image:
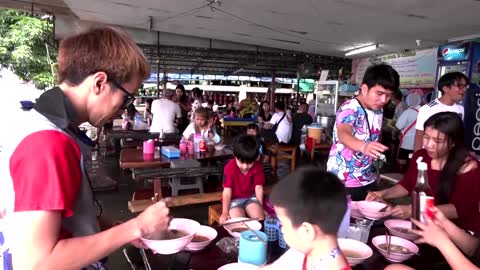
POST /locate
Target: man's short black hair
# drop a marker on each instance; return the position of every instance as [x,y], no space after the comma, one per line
[383,75]
[451,78]
[280,105]
[252,126]
[314,196]
[246,148]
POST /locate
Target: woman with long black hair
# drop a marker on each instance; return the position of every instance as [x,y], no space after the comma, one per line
[183,101]
[453,173]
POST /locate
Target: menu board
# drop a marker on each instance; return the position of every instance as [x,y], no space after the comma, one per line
[417,69]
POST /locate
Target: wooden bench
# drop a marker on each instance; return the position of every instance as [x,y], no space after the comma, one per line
[215,210]
[182,200]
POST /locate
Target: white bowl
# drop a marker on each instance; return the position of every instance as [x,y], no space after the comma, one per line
[174,245]
[391,224]
[395,257]
[253,224]
[206,231]
[354,210]
[371,209]
[238,266]
[350,245]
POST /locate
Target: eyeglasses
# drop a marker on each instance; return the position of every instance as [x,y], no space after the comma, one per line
[129,98]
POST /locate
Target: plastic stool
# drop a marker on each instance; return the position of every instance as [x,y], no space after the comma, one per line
[176,185]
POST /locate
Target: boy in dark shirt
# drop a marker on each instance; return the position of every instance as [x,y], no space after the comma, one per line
[310,205]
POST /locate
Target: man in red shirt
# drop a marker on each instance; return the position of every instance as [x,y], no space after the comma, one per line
[50,221]
[243,181]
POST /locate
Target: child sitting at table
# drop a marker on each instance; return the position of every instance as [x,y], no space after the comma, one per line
[252,129]
[243,181]
[310,205]
[202,124]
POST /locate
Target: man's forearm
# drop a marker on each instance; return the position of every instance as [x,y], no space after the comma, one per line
[79,252]
[351,142]
[418,140]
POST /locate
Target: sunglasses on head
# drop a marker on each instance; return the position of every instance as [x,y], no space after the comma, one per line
[128,98]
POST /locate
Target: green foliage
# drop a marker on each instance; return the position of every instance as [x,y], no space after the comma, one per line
[23,46]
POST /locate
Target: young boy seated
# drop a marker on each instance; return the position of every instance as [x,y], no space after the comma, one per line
[310,205]
[252,129]
[243,181]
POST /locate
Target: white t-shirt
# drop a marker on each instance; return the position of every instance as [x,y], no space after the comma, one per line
[191,130]
[404,121]
[434,107]
[164,114]
[284,130]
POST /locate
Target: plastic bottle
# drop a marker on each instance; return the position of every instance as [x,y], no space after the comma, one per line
[196,142]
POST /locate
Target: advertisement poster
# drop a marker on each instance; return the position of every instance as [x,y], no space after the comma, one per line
[417,69]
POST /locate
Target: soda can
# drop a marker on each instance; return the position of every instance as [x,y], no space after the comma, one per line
[426,205]
[203,145]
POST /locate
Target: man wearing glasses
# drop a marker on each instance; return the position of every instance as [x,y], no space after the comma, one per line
[453,86]
[50,216]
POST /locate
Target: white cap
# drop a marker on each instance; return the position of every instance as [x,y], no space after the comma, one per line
[422,166]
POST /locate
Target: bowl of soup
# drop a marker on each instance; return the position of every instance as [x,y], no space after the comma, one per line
[235,228]
[401,228]
[355,251]
[202,239]
[400,249]
[179,234]
[372,210]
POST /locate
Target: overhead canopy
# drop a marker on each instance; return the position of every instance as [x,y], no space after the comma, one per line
[327,27]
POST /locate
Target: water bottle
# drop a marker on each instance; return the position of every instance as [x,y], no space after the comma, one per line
[137,122]
[196,142]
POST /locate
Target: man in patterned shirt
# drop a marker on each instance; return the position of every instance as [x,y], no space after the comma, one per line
[357,129]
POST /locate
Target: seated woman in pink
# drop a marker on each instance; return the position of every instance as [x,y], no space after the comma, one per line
[453,173]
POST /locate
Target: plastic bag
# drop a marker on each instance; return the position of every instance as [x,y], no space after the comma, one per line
[228,245]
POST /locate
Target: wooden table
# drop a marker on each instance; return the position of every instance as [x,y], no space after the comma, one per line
[212,257]
[134,159]
[118,134]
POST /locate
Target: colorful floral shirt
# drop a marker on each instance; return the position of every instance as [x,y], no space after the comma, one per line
[350,166]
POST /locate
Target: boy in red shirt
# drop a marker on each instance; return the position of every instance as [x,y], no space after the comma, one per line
[310,205]
[243,181]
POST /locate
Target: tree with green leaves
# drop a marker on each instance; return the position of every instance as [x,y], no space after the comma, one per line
[24,48]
